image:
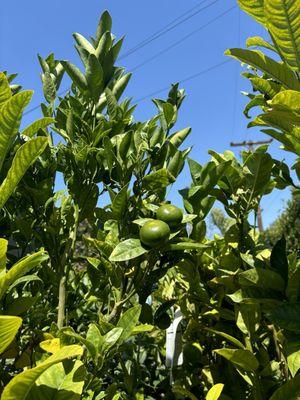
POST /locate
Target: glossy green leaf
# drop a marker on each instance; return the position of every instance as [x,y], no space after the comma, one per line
[262,278]
[104,25]
[278,259]
[257,41]
[274,69]
[76,75]
[128,321]
[127,250]
[5,92]
[289,99]
[255,8]
[240,358]
[289,391]
[19,387]
[215,392]
[9,327]
[21,268]
[94,77]
[84,43]
[49,88]
[25,156]
[228,337]
[158,180]
[119,204]
[111,338]
[3,250]
[121,85]
[265,86]
[178,138]
[62,381]
[32,129]
[283,22]
[10,119]
[292,350]
[287,316]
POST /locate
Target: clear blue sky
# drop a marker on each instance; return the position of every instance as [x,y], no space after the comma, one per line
[214,105]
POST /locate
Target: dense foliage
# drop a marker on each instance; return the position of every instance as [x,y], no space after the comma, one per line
[92,276]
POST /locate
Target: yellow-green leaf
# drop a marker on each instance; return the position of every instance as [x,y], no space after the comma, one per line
[19,387]
[215,392]
[3,250]
[274,69]
[24,158]
[21,268]
[283,22]
[255,8]
[32,129]
[9,327]
[289,99]
[10,118]
[240,358]
[5,92]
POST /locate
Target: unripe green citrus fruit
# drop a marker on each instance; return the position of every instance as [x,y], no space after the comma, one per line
[170,214]
[154,233]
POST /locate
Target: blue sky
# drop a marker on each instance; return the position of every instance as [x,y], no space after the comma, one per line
[214,105]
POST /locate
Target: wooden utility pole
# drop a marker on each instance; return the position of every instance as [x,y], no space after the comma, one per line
[250,146]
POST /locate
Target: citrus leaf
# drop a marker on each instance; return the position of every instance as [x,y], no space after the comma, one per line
[255,8]
[25,156]
[127,250]
[289,391]
[215,392]
[10,119]
[259,60]
[240,358]
[21,268]
[32,129]
[5,92]
[283,22]
[19,387]
[9,327]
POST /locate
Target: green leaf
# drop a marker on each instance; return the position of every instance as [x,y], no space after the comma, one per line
[49,88]
[274,69]
[94,336]
[158,180]
[257,101]
[104,25]
[127,250]
[10,119]
[119,204]
[265,86]
[76,75]
[240,358]
[184,392]
[287,316]
[21,268]
[255,8]
[292,350]
[278,259]
[42,123]
[289,99]
[19,387]
[94,76]
[5,92]
[215,392]
[259,42]
[3,250]
[128,321]
[283,22]
[120,85]
[25,156]
[260,166]
[9,327]
[228,337]
[178,137]
[64,381]
[111,338]
[262,278]
[84,43]
[288,391]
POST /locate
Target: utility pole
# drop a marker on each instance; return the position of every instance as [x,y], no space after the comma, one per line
[250,146]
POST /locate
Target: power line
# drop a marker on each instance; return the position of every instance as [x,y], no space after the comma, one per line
[167,28]
[182,39]
[189,78]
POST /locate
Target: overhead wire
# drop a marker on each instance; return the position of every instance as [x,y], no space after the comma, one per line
[160,53]
[167,28]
